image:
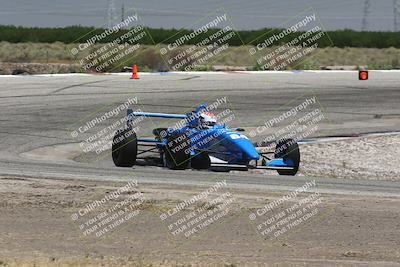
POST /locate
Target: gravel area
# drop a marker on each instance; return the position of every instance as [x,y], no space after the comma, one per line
[372,158]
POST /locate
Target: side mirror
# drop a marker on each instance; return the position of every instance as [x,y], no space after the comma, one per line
[240,130]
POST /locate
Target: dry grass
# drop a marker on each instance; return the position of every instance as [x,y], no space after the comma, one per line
[149,59]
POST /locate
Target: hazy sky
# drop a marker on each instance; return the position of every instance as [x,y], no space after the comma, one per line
[246,14]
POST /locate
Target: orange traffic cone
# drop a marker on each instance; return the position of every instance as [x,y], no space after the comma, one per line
[134,73]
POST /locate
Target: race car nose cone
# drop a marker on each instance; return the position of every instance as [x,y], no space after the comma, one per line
[248,149]
[252,155]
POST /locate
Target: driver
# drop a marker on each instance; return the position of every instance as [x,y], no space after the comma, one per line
[207,120]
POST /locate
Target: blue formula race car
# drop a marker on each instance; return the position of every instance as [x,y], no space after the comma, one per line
[198,142]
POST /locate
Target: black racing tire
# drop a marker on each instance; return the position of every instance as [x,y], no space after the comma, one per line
[177,152]
[288,149]
[124,148]
[201,161]
[160,132]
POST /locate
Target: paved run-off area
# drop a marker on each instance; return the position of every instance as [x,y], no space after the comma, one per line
[47,177]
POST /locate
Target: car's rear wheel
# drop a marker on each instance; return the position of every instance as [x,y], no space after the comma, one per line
[160,132]
[288,149]
[201,161]
[177,152]
[124,148]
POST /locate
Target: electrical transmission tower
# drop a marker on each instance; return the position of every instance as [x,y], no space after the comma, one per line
[123,12]
[367,10]
[111,14]
[396,11]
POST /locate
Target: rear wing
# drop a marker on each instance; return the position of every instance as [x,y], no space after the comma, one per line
[191,117]
[131,113]
[151,142]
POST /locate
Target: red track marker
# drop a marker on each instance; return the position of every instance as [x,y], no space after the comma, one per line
[363,75]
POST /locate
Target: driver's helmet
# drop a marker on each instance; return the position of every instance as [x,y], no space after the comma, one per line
[207,119]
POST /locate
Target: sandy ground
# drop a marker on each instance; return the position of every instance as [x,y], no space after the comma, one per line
[372,158]
[36,229]
[362,158]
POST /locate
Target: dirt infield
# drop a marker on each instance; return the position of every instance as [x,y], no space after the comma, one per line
[37,230]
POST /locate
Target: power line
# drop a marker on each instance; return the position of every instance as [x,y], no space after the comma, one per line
[111,14]
[396,11]
[367,11]
[123,12]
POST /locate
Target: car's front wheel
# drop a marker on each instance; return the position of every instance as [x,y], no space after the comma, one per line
[288,149]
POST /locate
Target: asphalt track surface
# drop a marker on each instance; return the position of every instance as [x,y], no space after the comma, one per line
[41,111]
